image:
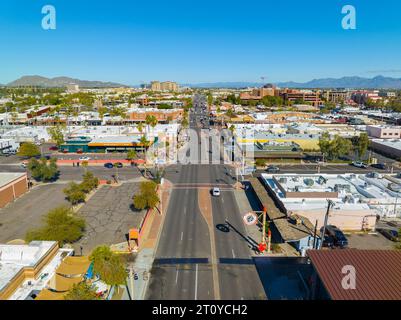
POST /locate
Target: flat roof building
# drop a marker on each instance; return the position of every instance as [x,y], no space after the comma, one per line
[12,186]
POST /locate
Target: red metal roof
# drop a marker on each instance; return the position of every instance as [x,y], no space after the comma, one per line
[378,273]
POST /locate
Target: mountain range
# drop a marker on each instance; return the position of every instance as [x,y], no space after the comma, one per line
[39,81]
[378,82]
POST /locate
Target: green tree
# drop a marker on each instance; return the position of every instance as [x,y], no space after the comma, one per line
[89,182]
[74,193]
[131,154]
[82,291]
[61,225]
[56,134]
[43,170]
[109,266]
[28,150]
[361,144]
[147,198]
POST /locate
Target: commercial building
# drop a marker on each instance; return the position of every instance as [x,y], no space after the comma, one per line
[336,96]
[387,147]
[25,269]
[291,95]
[357,199]
[103,144]
[162,115]
[12,186]
[355,274]
[384,132]
[163,86]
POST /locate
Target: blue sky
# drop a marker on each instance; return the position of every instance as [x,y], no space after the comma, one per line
[130,41]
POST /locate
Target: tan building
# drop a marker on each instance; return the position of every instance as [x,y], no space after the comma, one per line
[163,86]
[12,186]
[301,96]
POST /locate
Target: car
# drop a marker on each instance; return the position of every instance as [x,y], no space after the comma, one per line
[340,240]
[359,164]
[216,192]
[273,169]
[390,234]
[53,148]
[84,158]
[108,165]
[23,165]
[118,165]
[136,276]
[328,241]
[381,166]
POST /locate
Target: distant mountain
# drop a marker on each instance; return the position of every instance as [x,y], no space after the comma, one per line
[378,82]
[228,85]
[39,81]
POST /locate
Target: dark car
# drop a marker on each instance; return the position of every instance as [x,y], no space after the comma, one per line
[328,241]
[273,169]
[390,234]
[118,165]
[108,165]
[340,239]
[380,166]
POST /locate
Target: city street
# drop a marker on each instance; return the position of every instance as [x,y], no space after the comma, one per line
[192,252]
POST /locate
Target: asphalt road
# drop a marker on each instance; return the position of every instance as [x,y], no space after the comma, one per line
[183,266]
[69,173]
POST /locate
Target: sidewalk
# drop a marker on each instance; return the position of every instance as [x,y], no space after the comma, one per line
[147,249]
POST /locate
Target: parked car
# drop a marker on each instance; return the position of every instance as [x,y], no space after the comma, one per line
[273,169]
[359,164]
[216,192]
[23,165]
[84,158]
[108,165]
[53,148]
[390,234]
[380,166]
[340,240]
[328,241]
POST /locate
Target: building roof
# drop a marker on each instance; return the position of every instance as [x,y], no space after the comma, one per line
[46,294]
[377,273]
[265,199]
[71,266]
[290,231]
[8,177]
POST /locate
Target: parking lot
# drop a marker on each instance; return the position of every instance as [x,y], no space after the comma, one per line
[109,216]
[27,211]
[369,241]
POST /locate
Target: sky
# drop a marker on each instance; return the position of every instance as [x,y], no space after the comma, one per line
[135,41]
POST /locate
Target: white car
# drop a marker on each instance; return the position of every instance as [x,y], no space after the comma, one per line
[216,192]
[23,165]
[359,164]
[84,158]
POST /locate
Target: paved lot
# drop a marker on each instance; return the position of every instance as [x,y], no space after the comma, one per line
[369,241]
[109,216]
[27,211]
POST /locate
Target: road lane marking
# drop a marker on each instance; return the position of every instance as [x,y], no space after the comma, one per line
[232,250]
[185,210]
[196,283]
[176,277]
[182,234]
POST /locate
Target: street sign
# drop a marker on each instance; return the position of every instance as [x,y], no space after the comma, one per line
[250,218]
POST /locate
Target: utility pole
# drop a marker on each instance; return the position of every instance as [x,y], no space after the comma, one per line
[329,205]
[131,278]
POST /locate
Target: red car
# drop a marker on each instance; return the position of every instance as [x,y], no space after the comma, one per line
[54,148]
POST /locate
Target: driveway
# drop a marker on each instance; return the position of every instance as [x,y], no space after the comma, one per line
[109,216]
[369,241]
[27,211]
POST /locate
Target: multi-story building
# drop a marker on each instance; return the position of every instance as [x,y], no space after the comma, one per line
[301,96]
[163,86]
[336,96]
[384,132]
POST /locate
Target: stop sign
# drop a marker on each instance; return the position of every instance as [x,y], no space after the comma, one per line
[262,247]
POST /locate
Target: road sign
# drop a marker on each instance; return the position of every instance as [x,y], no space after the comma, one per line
[250,218]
